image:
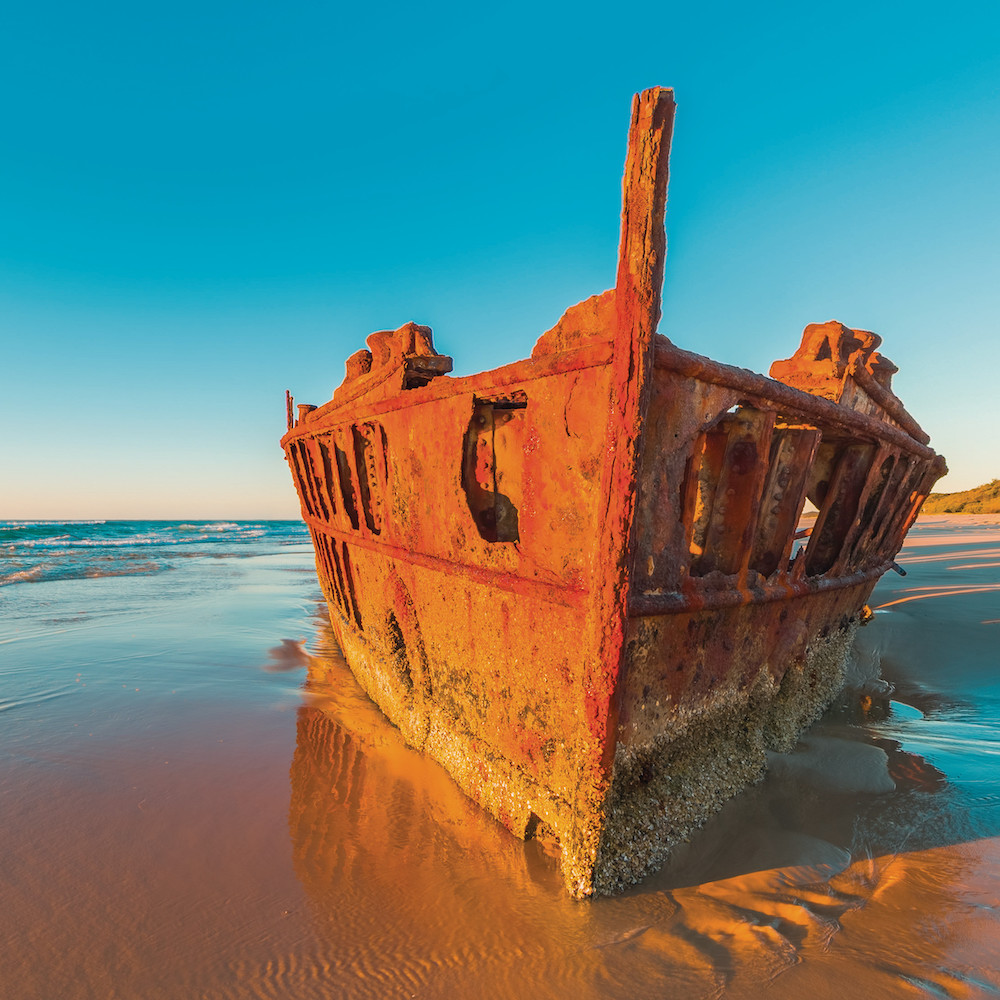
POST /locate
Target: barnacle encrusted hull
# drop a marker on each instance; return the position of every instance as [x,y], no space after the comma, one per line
[579,581]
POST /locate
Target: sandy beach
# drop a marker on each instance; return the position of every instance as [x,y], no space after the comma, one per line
[198,801]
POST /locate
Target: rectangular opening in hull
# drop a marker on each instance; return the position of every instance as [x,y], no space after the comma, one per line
[492,466]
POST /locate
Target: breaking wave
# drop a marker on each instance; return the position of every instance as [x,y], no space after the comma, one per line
[214,526]
[22,575]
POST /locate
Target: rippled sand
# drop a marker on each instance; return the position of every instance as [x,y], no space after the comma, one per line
[197,801]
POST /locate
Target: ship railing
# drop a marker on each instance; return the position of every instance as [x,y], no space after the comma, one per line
[764,452]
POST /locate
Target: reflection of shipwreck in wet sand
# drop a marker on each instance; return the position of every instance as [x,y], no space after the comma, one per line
[577,581]
[366,823]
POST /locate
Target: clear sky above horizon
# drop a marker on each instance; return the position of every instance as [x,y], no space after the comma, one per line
[203,204]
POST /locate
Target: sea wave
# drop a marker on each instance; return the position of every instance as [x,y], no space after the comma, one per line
[37,551]
[47,572]
[136,569]
[64,542]
[212,526]
[22,575]
[15,525]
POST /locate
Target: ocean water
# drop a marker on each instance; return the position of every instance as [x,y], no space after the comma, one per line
[197,801]
[34,551]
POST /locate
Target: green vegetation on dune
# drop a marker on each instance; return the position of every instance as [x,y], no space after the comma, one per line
[983,499]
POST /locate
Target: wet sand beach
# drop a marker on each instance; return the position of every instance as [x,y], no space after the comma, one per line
[196,800]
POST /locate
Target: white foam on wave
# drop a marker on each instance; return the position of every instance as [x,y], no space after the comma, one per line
[125,569]
[14,525]
[34,543]
[118,543]
[22,575]
[46,572]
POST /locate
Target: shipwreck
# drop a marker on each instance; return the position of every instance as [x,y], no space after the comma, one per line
[582,582]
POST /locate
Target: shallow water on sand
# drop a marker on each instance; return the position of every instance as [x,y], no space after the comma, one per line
[184,814]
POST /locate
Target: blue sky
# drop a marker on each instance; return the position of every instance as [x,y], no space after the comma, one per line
[202,204]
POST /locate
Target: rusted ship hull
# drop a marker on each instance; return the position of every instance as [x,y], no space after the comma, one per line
[578,581]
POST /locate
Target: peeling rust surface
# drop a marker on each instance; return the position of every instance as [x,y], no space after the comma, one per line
[582,582]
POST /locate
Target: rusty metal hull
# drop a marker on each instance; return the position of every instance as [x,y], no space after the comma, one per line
[578,581]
